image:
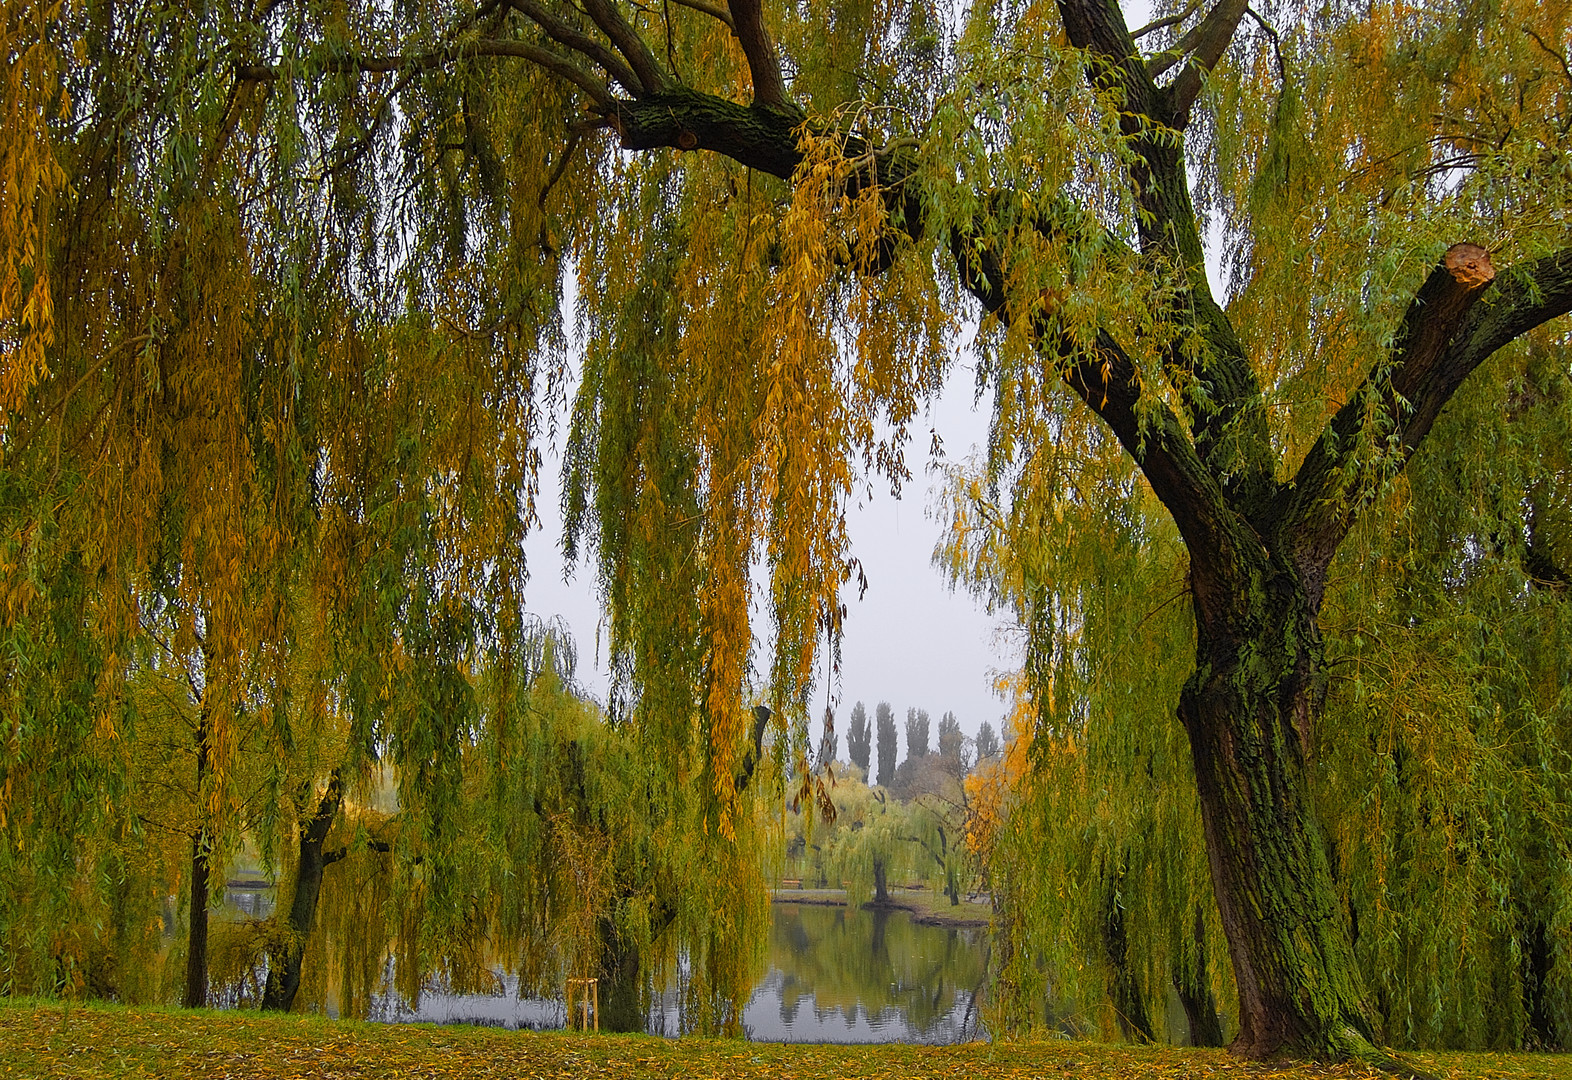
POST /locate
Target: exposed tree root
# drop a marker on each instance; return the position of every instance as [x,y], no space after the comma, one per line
[1355,1047]
[1344,1044]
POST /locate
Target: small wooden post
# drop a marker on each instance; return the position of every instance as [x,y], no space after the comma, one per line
[589,1001]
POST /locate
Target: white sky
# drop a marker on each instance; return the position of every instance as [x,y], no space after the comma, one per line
[910,640]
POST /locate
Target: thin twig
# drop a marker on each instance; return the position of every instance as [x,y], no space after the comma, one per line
[1158,24]
[1531,32]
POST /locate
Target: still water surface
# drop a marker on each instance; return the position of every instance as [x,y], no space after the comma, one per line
[833,975]
[842,975]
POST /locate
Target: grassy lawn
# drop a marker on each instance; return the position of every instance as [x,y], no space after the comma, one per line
[46,1040]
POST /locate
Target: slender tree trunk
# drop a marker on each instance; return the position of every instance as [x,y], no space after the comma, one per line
[1124,985]
[621,969]
[284,959]
[1195,993]
[1249,709]
[196,942]
[881,892]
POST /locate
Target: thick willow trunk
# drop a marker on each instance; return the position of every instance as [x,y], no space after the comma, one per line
[1249,709]
[621,986]
[284,958]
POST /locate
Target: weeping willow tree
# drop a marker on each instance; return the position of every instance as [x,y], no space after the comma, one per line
[204,206]
[1440,768]
[273,415]
[1448,781]
[572,856]
[1092,827]
[218,440]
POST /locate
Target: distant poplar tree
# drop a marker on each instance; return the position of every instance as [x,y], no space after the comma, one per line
[884,723]
[952,744]
[916,733]
[859,739]
[987,742]
[829,743]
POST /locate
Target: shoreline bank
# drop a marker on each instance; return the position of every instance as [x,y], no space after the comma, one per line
[924,908]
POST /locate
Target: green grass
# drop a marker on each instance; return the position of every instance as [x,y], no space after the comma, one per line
[48,1040]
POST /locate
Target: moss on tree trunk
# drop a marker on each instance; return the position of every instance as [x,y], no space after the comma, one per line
[1249,709]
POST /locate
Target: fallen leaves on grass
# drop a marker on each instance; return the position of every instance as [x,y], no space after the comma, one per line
[48,1041]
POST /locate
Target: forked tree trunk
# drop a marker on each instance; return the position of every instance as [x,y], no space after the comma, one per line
[284,958]
[1249,709]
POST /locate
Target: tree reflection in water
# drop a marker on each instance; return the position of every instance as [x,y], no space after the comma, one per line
[834,975]
[843,975]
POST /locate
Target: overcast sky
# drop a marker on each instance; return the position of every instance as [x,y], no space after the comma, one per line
[909,641]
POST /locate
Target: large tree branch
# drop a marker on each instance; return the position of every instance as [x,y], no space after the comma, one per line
[1524,297]
[1100,372]
[765,137]
[764,65]
[1206,45]
[628,43]
[1195,39]
[1105,378]
[1207,360]
[714,11]
[565,33]
[1454,323]
[759,136]
[1098,27]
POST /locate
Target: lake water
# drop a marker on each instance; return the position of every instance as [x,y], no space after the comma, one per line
[844,975]
[834,974]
